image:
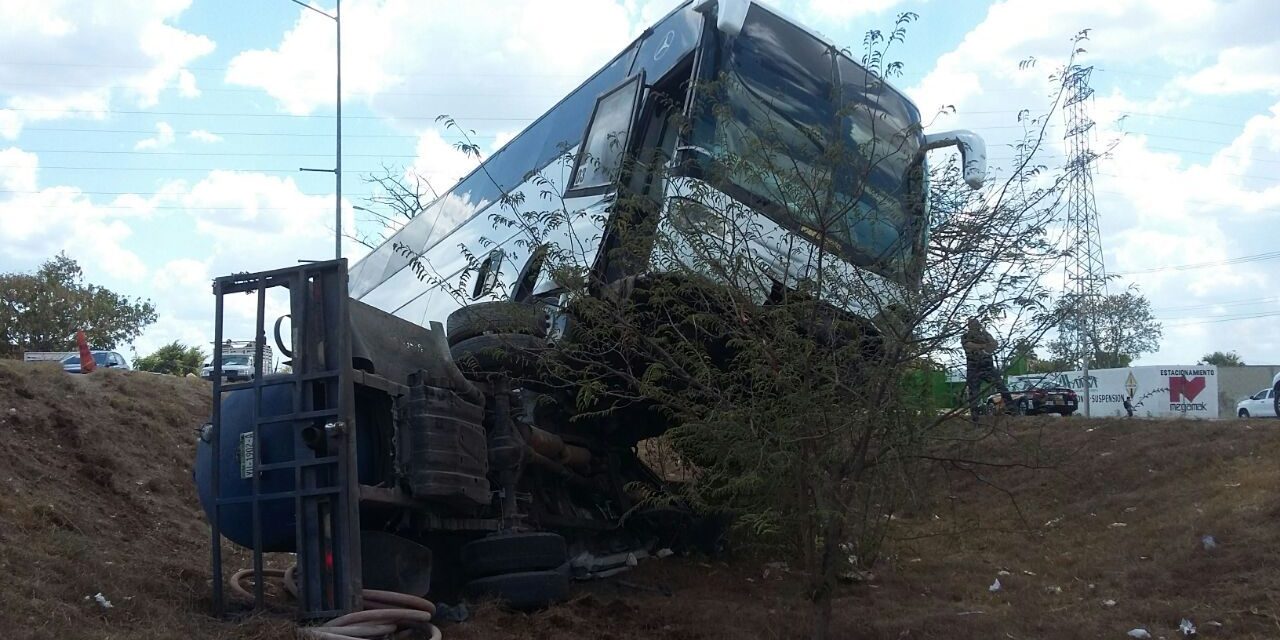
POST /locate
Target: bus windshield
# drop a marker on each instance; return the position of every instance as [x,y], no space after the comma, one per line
[811,139]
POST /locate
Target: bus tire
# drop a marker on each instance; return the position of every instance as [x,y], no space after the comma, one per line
[525,590]
[515,354]
[495,317]
[514,553]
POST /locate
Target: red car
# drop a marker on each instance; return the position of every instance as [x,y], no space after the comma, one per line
[1033,397]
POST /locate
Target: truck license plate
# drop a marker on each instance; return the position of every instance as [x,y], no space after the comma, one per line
[246,455]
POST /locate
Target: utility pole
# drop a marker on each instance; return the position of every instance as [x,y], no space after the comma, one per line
[337,166]
[1086,277]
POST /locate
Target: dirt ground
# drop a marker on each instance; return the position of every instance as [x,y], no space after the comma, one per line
[1109,536]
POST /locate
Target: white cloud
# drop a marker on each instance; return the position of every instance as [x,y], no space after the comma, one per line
[187,84]
[86,53]
[848,9]
[162,139]
[19,170]
[396,55]
[442,164]
[40,222]
[1237,70]
[201,135]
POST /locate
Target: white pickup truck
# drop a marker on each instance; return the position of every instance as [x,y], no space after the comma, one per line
[237,363]
[1275,386]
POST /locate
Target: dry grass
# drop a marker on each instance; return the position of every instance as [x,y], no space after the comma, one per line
[1053,530]
[97,497]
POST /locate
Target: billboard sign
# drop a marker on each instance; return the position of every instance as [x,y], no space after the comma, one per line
[1153,391]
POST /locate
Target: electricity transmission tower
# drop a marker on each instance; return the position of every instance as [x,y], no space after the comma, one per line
[1086,278]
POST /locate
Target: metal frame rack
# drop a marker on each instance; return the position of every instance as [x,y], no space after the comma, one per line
[325,490]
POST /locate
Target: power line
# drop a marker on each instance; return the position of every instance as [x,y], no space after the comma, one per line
[1221,173]
[1213,305]
[415,94]
[1256,316]
[326,206]
[178,169]
[1258,257]
[269,134]
[89,65]
[206,114]
[131,193]
[255,154]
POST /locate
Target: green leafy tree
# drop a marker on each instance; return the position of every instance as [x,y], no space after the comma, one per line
[1123,329]
[42,311]
[174,359]
[1223,359]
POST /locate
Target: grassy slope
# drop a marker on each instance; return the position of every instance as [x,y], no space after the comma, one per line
[97,496]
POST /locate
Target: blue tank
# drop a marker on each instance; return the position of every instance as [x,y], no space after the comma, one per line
[277,516]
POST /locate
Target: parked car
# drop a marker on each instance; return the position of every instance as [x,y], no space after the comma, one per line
[104,359]
[1275,395]
[1259,405]
[234,367]
[1033,397]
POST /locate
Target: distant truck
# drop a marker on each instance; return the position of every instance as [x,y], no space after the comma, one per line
[1275,396]
[46,356]
[237,361]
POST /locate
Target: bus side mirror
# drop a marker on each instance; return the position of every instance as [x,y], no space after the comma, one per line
[973,153]
[730,14]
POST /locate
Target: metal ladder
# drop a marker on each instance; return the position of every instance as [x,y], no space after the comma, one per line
[325,494]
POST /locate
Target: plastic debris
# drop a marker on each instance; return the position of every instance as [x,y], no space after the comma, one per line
[101,600]
[1108,603]
[995,586]
[1002,572]
[451,613]
[1186,628]
[1209,543]
[664,553]
[1117,525]
[1028,573]
[1054,590]
[1139,633]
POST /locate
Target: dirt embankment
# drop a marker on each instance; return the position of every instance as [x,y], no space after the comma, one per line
[97,498]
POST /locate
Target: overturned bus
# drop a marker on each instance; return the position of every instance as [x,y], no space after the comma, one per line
[381,464]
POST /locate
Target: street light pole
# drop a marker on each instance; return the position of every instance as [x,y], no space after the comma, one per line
[337,171]
[337,166]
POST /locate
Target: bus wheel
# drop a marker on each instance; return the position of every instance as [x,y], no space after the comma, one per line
[496,317]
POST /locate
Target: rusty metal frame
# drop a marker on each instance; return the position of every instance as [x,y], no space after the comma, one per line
[326,492]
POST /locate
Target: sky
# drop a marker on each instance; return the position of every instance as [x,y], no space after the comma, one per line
[158,142]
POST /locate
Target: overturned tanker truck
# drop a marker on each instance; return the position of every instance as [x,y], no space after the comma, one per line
[382,465]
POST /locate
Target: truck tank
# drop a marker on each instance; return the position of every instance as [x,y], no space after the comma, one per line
[277,516]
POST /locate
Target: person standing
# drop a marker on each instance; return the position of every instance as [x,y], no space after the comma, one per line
[980,366]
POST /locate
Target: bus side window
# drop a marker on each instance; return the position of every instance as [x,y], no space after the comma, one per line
[528,277]
[600,155]
[487,275]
